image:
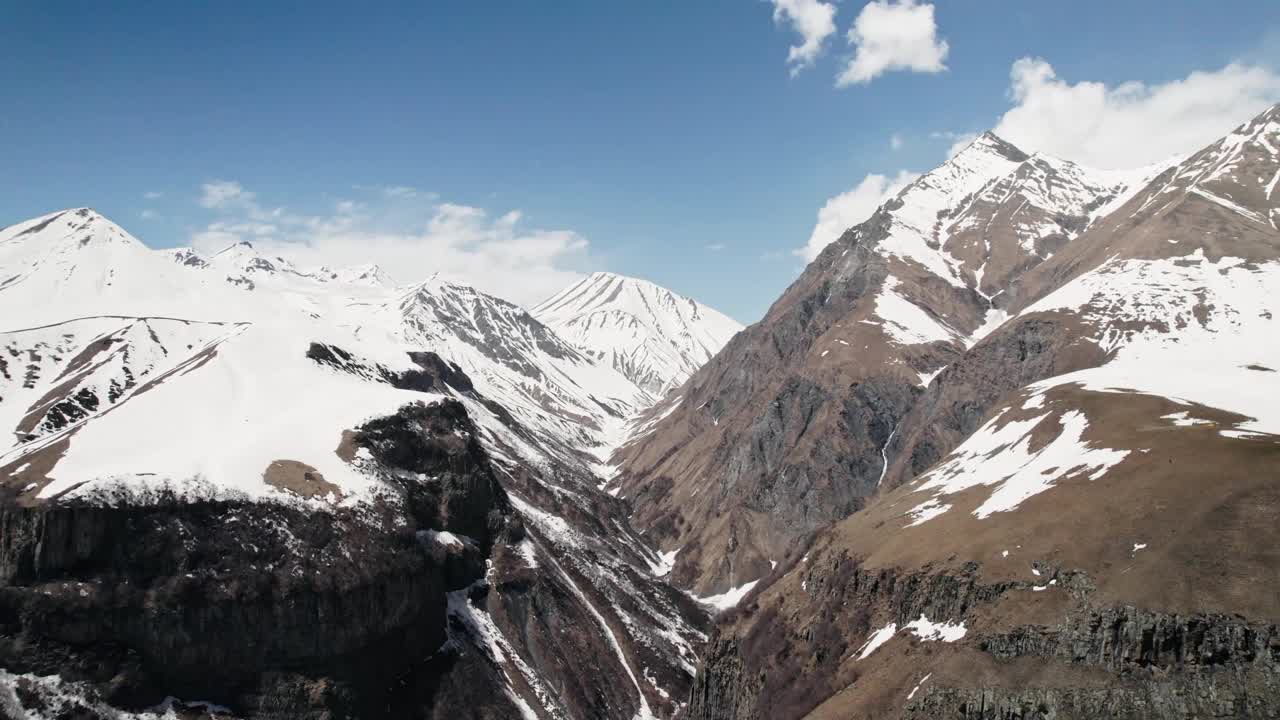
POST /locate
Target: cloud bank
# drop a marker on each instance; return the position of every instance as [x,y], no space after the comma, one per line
[1131,124]
[408,233]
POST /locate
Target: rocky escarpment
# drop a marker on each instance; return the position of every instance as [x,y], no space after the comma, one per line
[1161,665]
[270,609]
[1094,660]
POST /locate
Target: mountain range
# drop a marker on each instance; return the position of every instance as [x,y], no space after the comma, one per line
[1008,448]
[296,447]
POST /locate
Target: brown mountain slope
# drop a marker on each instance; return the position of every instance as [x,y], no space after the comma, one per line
[1149,592]
[784,431]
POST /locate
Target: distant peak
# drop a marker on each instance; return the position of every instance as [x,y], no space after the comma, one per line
[606,275]
[990,143]
[601,275]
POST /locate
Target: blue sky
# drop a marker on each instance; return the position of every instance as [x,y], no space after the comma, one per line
[667,140]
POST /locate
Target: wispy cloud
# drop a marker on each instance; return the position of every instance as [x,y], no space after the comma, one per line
[148,214]
[398,191]
[152,195]
[225,194]
[895,141]
[716,247]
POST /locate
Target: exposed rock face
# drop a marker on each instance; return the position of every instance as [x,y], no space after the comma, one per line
[778,451]
[1147,664]
[439,598]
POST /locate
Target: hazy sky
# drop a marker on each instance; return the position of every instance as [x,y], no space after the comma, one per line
[702,145]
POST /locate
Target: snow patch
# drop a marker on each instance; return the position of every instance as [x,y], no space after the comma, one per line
[876,639]
[905,322]
[729,598]
[946,631]
[1001,456]
[917,687]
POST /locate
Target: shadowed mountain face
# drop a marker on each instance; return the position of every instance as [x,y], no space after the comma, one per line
[1077,513]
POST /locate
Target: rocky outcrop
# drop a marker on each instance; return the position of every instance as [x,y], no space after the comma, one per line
[1127,662]
[1159,666]
[725,689]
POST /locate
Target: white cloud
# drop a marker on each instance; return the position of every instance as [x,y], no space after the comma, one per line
[1131,124]
[852,207]
[411,236]
[814,20]
[716,247]
[893,36]
[152,195]
[895,141]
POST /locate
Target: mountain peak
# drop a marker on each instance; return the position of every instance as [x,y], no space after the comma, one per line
[988,143]
[652,335]
[81,227]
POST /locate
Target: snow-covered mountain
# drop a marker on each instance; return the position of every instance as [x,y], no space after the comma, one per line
[651,335]
[239,389]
